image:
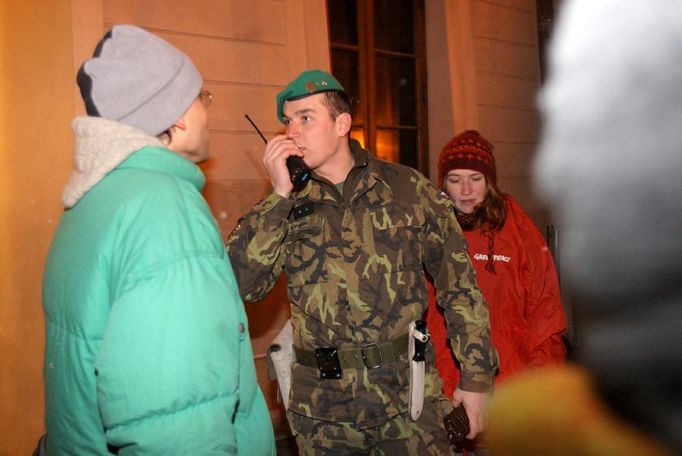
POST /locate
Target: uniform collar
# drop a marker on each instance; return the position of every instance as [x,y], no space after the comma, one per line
[366,172]
[363,176]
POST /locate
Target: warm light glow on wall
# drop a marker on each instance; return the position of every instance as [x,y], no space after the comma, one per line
[387,145]
[4,93]
[359,135]
[37,93]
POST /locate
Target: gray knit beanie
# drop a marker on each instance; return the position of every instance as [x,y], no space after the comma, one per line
[138,79]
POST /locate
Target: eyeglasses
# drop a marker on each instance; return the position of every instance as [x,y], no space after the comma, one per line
[205,97]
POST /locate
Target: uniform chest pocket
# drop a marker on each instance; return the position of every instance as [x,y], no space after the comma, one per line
[305,246]
[397,236]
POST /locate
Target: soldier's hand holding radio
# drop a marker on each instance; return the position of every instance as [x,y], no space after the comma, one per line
[474,404]
[278,150]
[298,170]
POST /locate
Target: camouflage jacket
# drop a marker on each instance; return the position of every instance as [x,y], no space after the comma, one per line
[355,271]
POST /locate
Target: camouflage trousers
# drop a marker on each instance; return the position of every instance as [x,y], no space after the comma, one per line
[398,436]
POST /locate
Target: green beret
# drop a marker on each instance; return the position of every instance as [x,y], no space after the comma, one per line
[307,83]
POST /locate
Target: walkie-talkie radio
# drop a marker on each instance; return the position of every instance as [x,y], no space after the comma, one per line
[457,425]
[299,172]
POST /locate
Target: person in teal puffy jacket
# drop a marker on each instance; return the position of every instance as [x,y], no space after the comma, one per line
[147,346]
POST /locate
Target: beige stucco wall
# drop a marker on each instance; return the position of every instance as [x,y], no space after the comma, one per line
[482,74]
[36,105]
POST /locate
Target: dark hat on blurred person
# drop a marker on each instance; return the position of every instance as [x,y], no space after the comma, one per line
[139,79]
[307,83]
[467,150]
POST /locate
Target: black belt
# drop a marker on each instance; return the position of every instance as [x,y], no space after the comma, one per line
[331,361]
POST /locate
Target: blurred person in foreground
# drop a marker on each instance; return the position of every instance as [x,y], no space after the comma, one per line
[147,349]
[610,166]
[354,243]
[514,267]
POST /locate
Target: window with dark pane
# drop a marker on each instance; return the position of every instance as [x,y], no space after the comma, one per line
[378,54]
[395,93]
[345,27]
[393,30]
[344,68]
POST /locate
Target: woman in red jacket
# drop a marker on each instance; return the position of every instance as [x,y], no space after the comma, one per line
[514,267]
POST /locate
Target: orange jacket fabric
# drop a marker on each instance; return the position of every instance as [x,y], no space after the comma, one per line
[527,317]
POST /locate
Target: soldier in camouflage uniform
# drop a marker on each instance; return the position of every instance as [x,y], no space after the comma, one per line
[353,244]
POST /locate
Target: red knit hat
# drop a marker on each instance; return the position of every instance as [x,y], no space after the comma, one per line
[467,150]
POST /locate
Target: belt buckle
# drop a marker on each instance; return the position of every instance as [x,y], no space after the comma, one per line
[328,363]
[366,349]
